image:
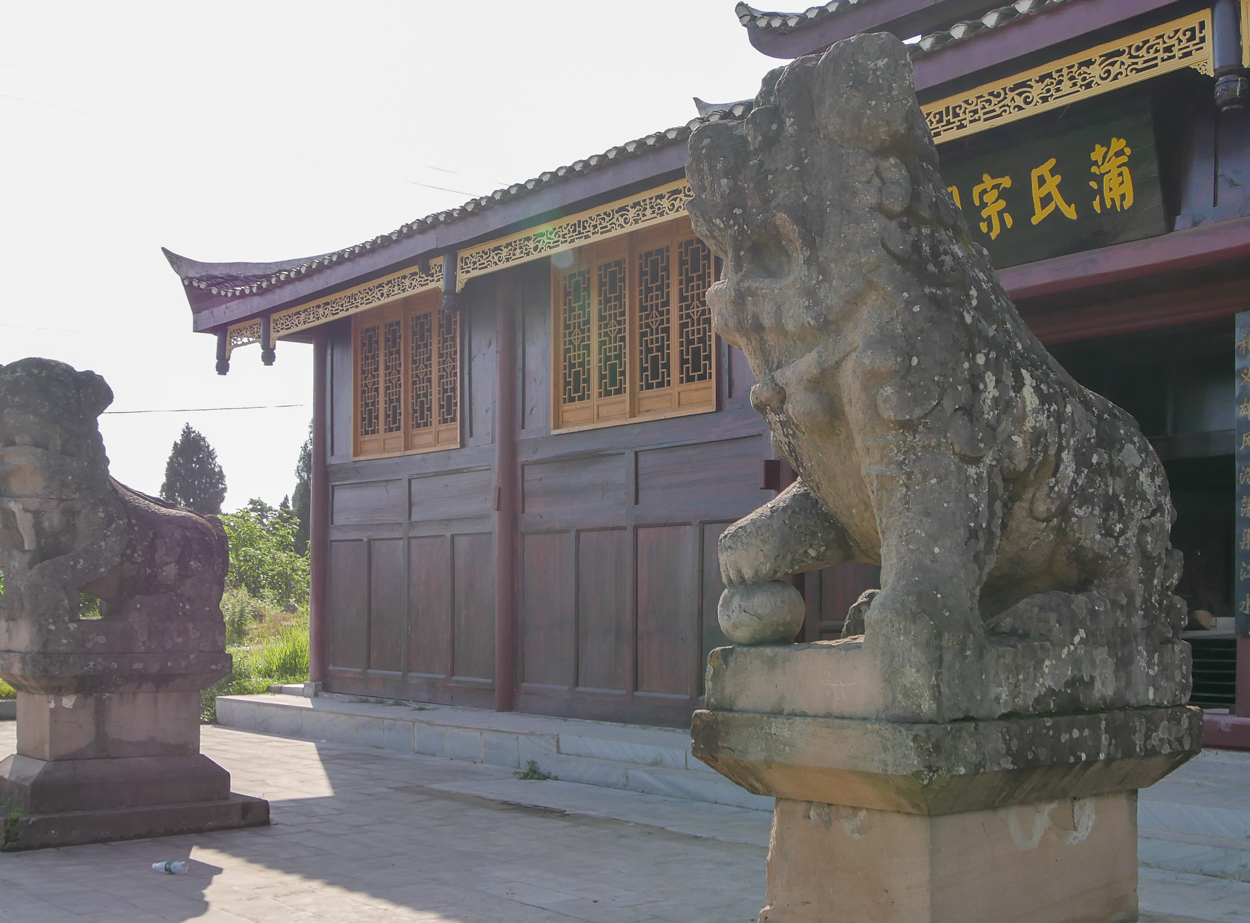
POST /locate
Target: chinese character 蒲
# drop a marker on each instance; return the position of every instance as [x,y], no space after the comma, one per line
[1046,187]
[987,194]
[1117,182]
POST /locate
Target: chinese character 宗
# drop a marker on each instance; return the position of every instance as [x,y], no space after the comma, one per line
[1111,163]
[1046,189]
[987,193]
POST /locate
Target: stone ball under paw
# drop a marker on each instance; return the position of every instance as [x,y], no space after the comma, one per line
[761,613]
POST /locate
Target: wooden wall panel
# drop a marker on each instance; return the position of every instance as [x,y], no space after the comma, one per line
[712,587]
[592,483]
[667,613]
[348,631]
[429,605]
[388,618]
[546,632]
[340,389]
[725,473]
[473,605]
[535,343]
[740,377]
[479,378]
[603,625]
[375,501]
[451,495]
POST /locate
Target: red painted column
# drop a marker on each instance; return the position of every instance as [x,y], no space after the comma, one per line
[505,491]
[319,527]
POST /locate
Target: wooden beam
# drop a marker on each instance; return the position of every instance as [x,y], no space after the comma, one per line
[1195,248]
[319,527]
[505,516]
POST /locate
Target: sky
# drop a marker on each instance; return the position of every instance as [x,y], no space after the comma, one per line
[273,129]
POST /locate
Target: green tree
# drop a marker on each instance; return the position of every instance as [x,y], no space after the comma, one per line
[263,559]
[192,476]
[301,500]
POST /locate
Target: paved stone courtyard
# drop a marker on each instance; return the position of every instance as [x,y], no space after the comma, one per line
[364,835]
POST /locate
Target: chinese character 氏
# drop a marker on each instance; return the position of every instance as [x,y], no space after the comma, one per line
[1117,182]
[987,194]
[1046,186]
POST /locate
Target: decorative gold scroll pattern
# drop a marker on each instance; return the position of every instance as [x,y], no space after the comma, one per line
[1184,42]
[243,334]
[655,205]
[360,298]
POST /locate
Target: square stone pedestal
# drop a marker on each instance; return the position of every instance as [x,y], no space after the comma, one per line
[94,768]
[1025,820]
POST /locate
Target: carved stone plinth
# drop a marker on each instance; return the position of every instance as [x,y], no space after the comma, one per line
[1027,819]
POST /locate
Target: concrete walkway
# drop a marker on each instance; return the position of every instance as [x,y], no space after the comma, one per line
[363,834]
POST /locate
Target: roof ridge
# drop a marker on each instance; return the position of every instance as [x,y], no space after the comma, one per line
[781,23]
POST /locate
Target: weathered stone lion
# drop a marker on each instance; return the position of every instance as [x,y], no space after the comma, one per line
[1020,521]
[67,527]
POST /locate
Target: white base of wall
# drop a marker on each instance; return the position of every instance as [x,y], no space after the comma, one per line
[655,761]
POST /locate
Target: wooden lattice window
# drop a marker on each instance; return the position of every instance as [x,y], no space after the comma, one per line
[407,388]
[631,329]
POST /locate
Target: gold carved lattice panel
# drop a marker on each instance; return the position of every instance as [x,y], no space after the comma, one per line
[421,358]
[654,325]
[612,316]
[652,207]
[360,298]
[448,367]
[694,319]
[393,366]
[1181,43]
[243,334]
[575,336]
[370,357]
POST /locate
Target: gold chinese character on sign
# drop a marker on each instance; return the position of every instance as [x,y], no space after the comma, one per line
[1046,189]
[1117,182]
[1243,341]
[1244,545]
[1244,608]
[1244,510]
[1245,442]
[1243,409]
[987,194]
[954,191]
[1243,376]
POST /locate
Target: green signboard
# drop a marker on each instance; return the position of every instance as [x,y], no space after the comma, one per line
[1074,184]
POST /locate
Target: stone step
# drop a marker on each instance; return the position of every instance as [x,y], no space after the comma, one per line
[653,761]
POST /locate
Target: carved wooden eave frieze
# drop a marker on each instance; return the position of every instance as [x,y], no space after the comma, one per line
[1182,43]
[651,207]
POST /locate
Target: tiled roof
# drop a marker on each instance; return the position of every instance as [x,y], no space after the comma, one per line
[994,19]
[232,280]
[782,23]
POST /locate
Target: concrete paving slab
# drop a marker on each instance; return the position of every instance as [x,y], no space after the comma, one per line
[364,834]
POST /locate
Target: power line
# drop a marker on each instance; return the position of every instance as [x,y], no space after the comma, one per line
[212,409]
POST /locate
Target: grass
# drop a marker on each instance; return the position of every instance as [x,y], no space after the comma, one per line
[269,645]
[531,773]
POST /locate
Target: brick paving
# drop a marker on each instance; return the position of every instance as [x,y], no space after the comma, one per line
[364,835]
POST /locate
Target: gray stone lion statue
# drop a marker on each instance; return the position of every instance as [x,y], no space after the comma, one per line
[1021,522]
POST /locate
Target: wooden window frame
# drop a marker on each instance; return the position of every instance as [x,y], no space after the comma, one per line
[408,440]
[636,405]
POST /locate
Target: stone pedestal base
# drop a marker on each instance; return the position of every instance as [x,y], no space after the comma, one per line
[1069,861]
[74,828]
[115,766]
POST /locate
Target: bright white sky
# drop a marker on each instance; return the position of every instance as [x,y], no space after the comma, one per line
[267,130]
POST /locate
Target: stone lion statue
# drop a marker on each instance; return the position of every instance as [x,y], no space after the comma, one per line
[67,527]
[1021,522]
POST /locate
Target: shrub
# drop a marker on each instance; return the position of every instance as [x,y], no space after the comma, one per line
[263,559]
[7,691]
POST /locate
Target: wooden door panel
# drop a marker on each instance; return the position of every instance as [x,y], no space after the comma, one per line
[724,474]
[388,618]
[349,599]
[603,628]
[429,605]
[547,636]
[667,614]
[473,605]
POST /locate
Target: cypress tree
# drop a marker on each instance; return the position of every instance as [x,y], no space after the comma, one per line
[192,476]
[301,499]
